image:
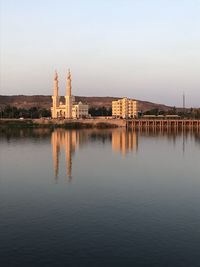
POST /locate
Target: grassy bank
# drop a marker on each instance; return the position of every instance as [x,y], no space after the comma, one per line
[67,125]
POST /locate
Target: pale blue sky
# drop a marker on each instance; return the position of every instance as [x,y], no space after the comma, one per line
[144,49]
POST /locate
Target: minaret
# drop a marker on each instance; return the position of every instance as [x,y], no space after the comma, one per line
[68,97]
[55,96]
[69,86]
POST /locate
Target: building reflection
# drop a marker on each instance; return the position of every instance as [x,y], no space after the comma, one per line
[124,141]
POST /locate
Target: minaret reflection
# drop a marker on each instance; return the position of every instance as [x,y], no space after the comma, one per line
[124,141]
[68,140]
[56,152]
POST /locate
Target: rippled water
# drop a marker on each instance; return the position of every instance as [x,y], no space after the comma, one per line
[99,198]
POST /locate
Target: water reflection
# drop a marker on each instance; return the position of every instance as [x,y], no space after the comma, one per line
[69,141]
[122,141]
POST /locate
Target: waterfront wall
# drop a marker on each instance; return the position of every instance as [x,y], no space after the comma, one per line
[68,123]
[93,121]
[101,123]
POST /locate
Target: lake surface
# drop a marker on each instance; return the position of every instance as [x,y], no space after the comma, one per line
[99,198]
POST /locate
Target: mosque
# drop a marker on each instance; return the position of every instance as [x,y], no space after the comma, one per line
[71,109]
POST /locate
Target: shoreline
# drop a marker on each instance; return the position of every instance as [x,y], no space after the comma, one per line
[99,123]
[58,123]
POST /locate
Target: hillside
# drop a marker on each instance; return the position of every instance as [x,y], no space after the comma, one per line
[24,101]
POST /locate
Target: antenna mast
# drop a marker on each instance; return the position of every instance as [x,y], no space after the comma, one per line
[184,102]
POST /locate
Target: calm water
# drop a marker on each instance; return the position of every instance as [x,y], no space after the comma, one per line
[99,198]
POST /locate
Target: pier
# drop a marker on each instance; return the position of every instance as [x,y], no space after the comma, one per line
[163,124]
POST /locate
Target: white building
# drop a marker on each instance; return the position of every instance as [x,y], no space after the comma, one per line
[79,110]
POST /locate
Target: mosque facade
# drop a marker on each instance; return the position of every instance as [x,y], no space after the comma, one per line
[70,109]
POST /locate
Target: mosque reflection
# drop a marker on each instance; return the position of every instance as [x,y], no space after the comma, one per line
[67,140]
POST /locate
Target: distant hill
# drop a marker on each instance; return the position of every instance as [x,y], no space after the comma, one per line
[43,101]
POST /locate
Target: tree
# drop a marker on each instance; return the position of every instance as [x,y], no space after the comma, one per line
[101,111]
[33,112]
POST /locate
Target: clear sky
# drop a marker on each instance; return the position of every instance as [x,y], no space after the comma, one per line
[144,49]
